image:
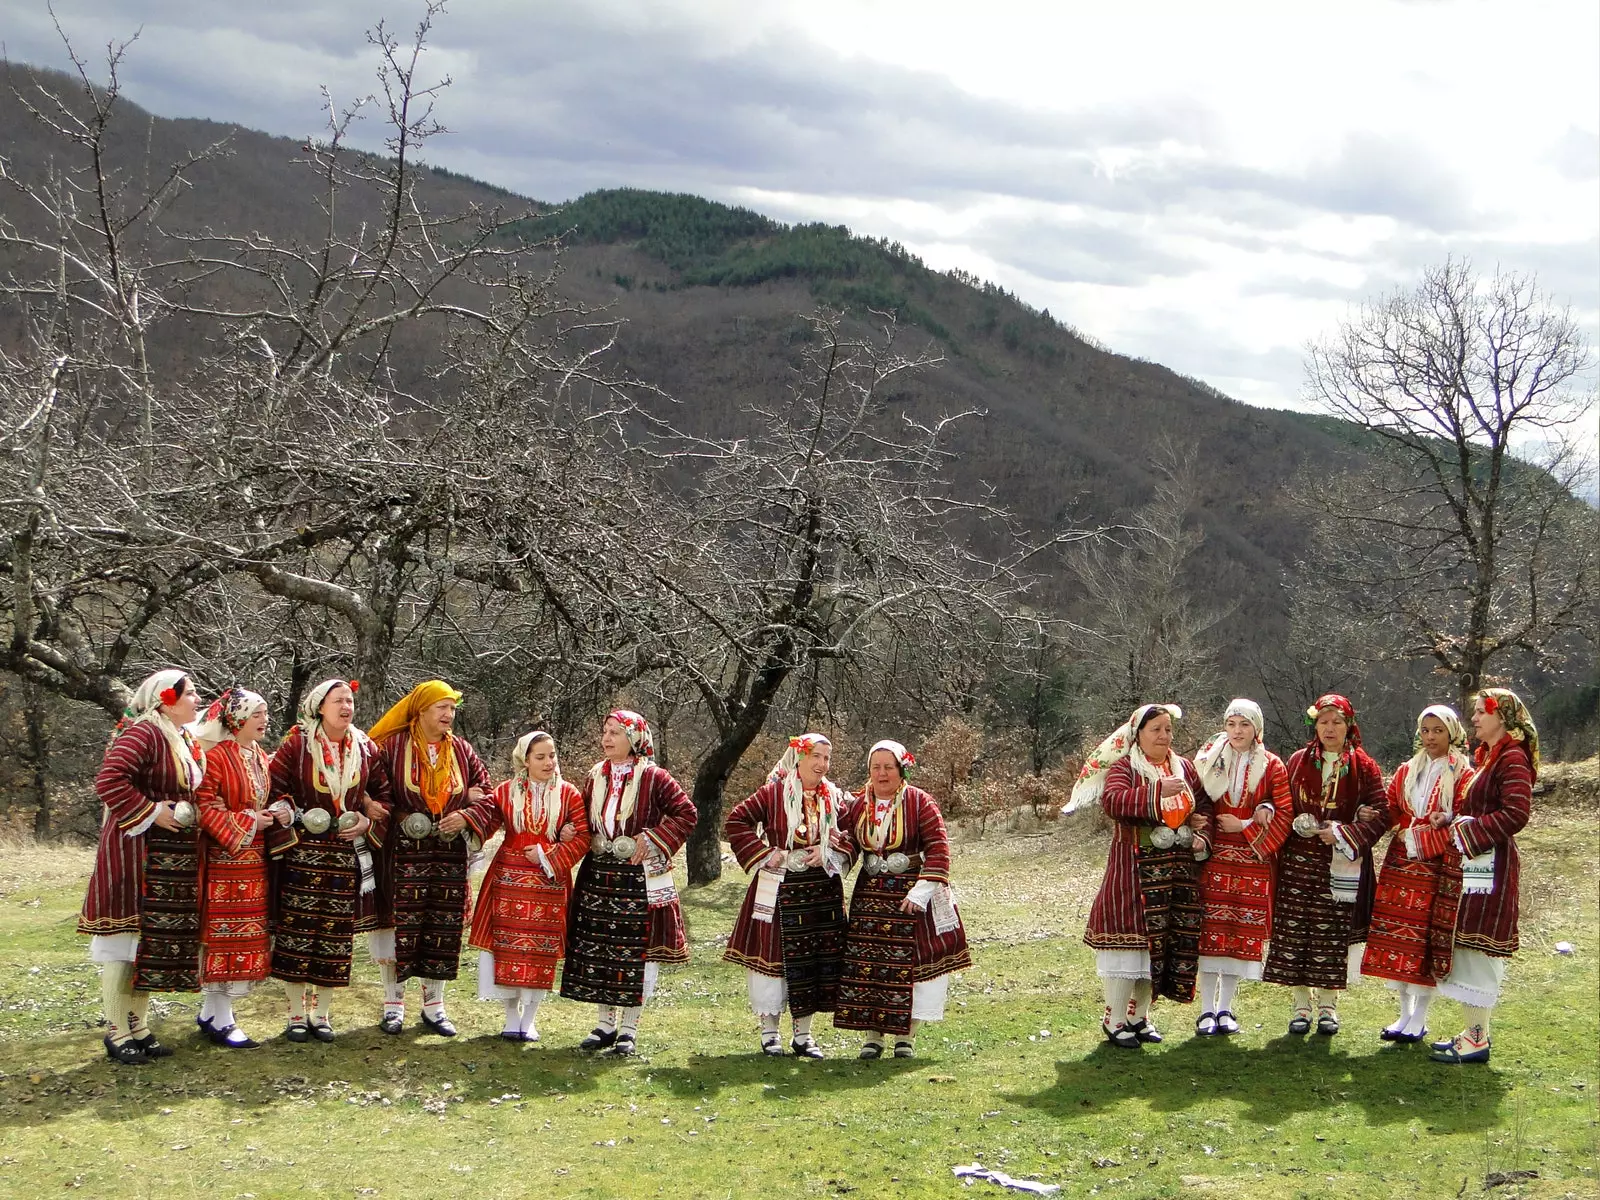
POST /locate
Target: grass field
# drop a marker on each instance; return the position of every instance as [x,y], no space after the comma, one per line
[1017,1077]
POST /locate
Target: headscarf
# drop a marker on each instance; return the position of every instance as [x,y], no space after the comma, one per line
[1508,706]
[1218,762]
[1123,743]
[533,803]
[624,779]
[1423,772]
[638,731]
[406,711]
[337,773]
[1320,776]
[441,777]
[787,773]
[879,825]
[227,715]
[164,687]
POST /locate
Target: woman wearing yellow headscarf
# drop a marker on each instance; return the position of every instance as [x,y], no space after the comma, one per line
[421,899]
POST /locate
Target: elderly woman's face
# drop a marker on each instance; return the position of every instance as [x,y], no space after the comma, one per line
[187,707]
[814,765]
[1435,736]
[884,770]
[437,719]
[1155,737]
[614,743]
[338,709]
[1332,729]
[1489,726]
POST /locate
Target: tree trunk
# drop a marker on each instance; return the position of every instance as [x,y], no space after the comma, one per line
[33,716]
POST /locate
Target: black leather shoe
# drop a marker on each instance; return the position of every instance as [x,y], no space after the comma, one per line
[1144,1031]
[442,1026]
[128,1054]
[151,1047]
[772,1045]
[1327,1023]
[807,1047]
[392,1023]
[323,1033]
[297,1032]
[871,1050]
[231,1037]
[905,1049]
[1120,1035]
[598,1039]
[624,1045]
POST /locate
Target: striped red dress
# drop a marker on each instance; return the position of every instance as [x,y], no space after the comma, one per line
[234,944]
[1236,881]
[1499,801]
[138,773]
[521,914]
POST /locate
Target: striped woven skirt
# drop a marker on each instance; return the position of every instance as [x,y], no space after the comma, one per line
[1311,931]
[234,943]
[522,921]
[1170,886]
[430,906]
[880,958]
[319,882]
[169,913]
[811,927]
[608,931]
[1413,931]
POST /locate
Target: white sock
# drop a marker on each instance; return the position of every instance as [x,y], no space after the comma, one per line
[394,991]
[532,998]
[1404,993]
[802,1027]
[208,1004]
[1119,995]
[629,1025]
[1143,993]
[606,1018]
[433,998]
[1303,999]
[1477,1030]
[222,1010]
[1227,989]
[769,1026]
[117,1000]
[295,993]
[1417,1018]
[138,1012]
[513,1015]
[1206,990]
[324,1002]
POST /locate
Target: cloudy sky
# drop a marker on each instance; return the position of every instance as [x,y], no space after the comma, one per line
[1205,185]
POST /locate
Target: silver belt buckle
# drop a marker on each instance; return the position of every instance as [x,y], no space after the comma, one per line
[796,860]
[185,814]
[416,826]
[1184,835]
[1306,825]
[622,848]
[316,820]
[349,819]
[897,863]
[874,865]
[1163,838]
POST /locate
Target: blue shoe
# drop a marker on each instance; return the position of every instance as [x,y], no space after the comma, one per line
[1452,1054]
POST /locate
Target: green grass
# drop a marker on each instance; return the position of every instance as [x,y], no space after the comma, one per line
[701,1114]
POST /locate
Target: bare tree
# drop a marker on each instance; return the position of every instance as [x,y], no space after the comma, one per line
[1464,544]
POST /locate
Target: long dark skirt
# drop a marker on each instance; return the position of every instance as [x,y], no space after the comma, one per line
[429,905]
[880,958]
[811,926]
[319,881]
[1311,931]
[608,931]
[169,913]
[1169,881]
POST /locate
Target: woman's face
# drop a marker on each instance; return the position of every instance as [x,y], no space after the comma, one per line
[814,765]
[1155,738]
[541,760]
[1241,733]
[338,710]
[183,712]
[1435,737]
[884,771]
[437,719]
[1489,726]
[254,727]
[614,743]
[1332,729]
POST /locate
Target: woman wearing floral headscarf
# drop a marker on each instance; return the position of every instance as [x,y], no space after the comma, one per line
[337,787]
[234,817]
[519,925]
[1145,923]
[625,920]
[789,935]
[1249,786]
[1482,844]
[1414,909]
[1322,902]
[421,899]
[146,940]
[905,937]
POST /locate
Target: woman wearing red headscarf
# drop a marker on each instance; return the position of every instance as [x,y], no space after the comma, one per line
[1322,901]
[1145,923]
[624,918]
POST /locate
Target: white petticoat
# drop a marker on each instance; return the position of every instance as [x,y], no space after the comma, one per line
[1475,978]
[1122,964]
[113,947]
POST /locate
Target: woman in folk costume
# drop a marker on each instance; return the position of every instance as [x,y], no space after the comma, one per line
[624,919]
[519,925]
[1144,925]
[1322,897]
[905,937]
[331,775]
[1479,841]
[1414,909]
[421,899]
[1249,790]
[789,935]
[235,946]
[146,939]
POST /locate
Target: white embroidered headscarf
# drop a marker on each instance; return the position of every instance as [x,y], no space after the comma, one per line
[188,755]
[1219,763]
[533,803]
[227,715]
[787,773]
[1121,744]
[1425,774]
[337,778]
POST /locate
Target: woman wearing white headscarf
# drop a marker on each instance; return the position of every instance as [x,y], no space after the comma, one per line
[332,776]
[905,937]
[1249,788]
[153,766]
[235,946]
[1410,940]
[519,926]
[789,935]
[1144,926]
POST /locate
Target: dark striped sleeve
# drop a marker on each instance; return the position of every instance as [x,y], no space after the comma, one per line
[116,784]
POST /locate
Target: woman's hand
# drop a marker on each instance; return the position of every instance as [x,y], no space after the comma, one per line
[356,830]
[1229,823]
[567,832]
[372,808]
[775,860]
[283,811]
[1326,834]
[640,852]
[166,819]
[906,906]
[1197,822]
[452,823]
[1264,814]
[475,794]
[1438,819]
[1367,813]
[813,856]
[1171,785]
[265,817]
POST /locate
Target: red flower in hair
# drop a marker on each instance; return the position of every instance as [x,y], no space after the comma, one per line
[1490,704]
[169,696]
[910,759]
[355,685]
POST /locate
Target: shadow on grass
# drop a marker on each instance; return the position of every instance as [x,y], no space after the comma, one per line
[1289,1076]
[709,1074]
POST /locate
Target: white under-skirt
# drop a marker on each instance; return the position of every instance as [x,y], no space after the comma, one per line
[769,996]
[1240,968]
[113,947]
[380,946]
[1122,964]
[488,989]
[1475,978]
